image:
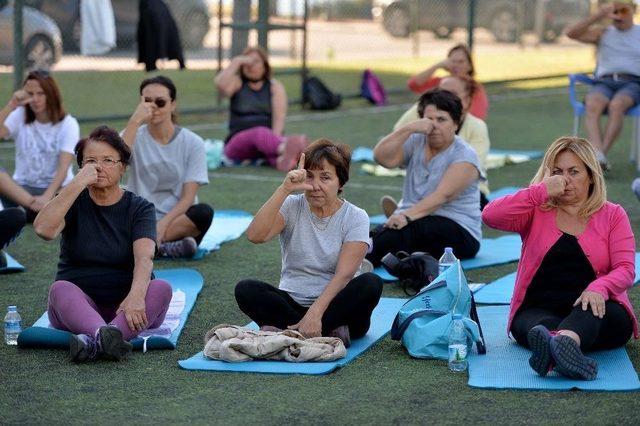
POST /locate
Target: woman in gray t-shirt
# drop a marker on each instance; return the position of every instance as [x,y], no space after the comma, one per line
[168,167]
[323,240]
[440,205]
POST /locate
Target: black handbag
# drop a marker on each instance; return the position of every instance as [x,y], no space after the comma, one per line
[414,270]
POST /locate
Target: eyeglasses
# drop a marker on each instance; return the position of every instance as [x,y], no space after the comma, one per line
[160,102]
[107,163]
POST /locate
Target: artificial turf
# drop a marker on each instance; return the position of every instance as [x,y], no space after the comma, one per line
[384,386]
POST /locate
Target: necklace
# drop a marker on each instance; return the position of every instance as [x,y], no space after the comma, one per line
[321,223]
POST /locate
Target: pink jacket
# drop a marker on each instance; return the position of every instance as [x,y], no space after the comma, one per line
[607,241]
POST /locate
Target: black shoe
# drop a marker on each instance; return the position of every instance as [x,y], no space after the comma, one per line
[112,343]
[539,338]
[3,259]
[570,361]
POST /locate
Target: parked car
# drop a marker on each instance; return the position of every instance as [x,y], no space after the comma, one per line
[40,35]
[503,18]
[192,18]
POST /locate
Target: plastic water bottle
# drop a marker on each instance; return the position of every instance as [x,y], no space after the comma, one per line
[457,345]
[447,259]
[12,326]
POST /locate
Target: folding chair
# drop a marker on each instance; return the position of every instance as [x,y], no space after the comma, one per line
[579,110]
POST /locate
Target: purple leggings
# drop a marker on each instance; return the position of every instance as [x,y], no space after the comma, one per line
[254,143]
[71,309]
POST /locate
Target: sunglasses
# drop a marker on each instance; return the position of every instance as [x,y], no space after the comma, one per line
[38,74]
[160,102]
[622,11]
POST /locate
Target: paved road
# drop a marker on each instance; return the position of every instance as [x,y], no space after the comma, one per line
[336,41]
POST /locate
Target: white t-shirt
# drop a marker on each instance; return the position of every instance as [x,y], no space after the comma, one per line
[38,146]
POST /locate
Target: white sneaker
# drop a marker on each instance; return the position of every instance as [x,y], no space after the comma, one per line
[602,159]
[365,267]
[635,187]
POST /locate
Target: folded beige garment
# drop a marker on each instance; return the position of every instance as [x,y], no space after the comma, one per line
[236,344]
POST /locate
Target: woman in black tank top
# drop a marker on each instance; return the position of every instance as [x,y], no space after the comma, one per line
[257,112]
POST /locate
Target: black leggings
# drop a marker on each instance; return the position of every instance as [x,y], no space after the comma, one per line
[12,221]
[352,306]
[202,216]
[430,234]
[612,331]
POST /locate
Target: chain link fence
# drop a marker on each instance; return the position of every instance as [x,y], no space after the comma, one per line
[511,39]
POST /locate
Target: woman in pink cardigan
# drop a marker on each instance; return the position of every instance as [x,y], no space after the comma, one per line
[577,262]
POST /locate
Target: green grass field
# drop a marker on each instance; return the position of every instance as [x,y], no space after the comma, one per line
[384,386]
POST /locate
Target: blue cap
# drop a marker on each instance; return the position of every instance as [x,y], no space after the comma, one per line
[13,308]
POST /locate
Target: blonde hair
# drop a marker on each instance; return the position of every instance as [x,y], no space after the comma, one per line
[583,149]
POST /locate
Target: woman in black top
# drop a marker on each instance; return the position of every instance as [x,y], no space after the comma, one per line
[104,291]
[257,112]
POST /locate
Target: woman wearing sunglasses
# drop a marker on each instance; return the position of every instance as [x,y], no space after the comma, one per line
[45,136]
[257,112]
[168,166]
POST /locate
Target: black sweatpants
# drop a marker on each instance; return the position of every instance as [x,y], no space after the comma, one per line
[202,216]
[12,221]
[429,234]
[612,331]
[268,305]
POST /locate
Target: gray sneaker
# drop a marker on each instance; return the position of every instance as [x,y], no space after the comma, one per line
[570,361]
[84,348]
[112,343]
[185,247]
[388,204]
[342,333]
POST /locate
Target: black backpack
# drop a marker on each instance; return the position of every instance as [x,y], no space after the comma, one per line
[318,96]
[414,270]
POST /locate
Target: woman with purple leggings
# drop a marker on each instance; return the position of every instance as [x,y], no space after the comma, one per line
[105,292]
[257,112]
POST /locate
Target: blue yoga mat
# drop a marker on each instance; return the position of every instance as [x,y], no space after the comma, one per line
[12,265]
[531,154]
[501,192]
[497,292]
[506,366]
[381,321]
[227,225]
[188,280]
[362,153]
[493,251]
